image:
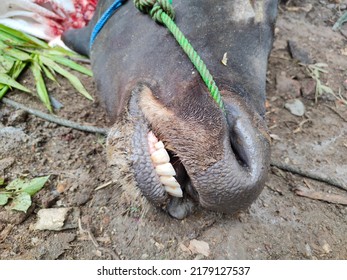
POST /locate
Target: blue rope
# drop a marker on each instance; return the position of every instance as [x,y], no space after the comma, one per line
[102,21]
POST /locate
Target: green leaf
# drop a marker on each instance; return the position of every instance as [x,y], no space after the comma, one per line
[72,78]
[12,51]
[48,72]
[4,198]
[22,36]
[40,85]
[6,64]
[13,41]
[15,72]
[15,185]
[21,202]
[2,181]
[3,90]
[71,64]
[7,80]
[35,185]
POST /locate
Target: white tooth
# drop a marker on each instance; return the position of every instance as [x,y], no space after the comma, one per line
[159,145]
[174,191]
[160,156]
[165,169]
[169,181]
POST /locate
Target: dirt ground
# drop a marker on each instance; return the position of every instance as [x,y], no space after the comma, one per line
[279,225]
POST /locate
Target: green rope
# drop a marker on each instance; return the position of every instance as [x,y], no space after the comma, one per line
[162,12]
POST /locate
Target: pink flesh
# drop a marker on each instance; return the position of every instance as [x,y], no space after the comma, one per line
[52,17]
[82,14]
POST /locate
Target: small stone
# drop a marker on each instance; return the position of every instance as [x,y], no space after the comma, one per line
[57,219]
[296,107]
[331,6]
[199,247]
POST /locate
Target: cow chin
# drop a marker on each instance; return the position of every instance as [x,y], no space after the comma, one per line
[184,158]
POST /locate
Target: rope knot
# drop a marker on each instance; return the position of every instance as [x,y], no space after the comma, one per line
[155,8]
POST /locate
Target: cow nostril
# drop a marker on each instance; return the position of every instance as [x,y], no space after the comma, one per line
[238,149]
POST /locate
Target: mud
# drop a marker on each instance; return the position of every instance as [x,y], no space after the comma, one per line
[279,225]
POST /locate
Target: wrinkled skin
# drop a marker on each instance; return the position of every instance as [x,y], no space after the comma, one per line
[147,83]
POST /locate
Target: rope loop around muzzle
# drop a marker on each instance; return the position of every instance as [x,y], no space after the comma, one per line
[162,12]
[155,8]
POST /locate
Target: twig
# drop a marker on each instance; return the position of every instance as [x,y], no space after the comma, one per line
[332,198]
[309,174]
[113,254]
[274,190]
[336,112]
[55,119]
[104,185]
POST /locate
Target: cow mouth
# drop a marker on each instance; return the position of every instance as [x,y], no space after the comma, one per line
[178,163]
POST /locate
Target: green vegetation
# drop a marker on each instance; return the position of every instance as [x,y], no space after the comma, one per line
[19,51]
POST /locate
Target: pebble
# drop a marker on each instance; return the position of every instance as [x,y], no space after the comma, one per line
[296,107]
[57,219]
[199,247]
